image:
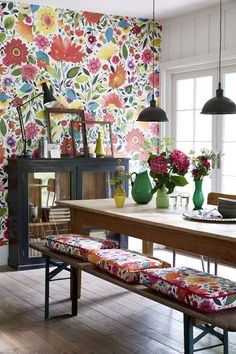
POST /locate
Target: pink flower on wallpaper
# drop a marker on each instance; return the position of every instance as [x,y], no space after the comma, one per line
[155,129]
[31,130]
[115,59]
[112,100]
[29,72]
[134,140]
[92,17]
[41,41]
[109,117]
[94,65]
[17,101]
[147,56]
[89,118]
[154,80]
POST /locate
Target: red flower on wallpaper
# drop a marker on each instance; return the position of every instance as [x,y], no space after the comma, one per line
[134,140]
[67,146]
[31,130]
[117,78]
[63,49]
[16,53]
[153,79]
[112,100]
[92,17]
[147,56]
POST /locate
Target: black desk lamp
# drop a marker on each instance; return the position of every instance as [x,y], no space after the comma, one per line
[47,97]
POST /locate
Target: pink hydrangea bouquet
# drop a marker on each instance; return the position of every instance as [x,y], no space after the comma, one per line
[168,169]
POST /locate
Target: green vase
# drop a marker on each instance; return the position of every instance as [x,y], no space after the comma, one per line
[198,197]
[119,196]
[99,149]
[141,187]
[162,198]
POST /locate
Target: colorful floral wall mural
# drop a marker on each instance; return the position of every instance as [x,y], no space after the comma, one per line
[99,63]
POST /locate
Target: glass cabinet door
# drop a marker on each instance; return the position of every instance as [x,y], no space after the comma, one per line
[45,217]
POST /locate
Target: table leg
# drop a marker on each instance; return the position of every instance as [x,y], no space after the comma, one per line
[148,248]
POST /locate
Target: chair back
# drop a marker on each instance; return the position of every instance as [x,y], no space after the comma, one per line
[212,197]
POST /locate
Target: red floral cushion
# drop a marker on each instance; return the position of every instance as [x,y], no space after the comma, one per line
[203,291]
[124,264]
[76,245]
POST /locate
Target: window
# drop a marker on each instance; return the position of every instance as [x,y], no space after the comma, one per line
[194,131]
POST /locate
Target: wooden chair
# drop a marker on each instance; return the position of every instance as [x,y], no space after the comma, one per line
[212,199]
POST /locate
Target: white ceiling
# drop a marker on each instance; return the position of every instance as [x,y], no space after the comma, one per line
[132,8]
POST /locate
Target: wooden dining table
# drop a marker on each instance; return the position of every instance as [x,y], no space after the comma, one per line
[163,226]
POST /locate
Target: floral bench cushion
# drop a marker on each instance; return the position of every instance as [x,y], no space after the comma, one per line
[124,264]
[76,245]
[203,291]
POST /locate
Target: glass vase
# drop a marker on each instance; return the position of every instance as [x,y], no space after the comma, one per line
[162,198]
[198,197]
[119,196]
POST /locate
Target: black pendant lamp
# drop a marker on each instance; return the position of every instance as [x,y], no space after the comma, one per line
[219,104]
[153,113]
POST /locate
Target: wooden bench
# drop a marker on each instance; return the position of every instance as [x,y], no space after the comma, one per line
[207,322]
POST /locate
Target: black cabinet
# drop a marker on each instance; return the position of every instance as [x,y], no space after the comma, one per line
[34,187]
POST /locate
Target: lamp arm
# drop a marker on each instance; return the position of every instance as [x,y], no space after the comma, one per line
[31,99]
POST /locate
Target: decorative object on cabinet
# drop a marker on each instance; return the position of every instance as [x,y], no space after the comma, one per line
[37,184]
[153,113]
[47,98]
[67,131]
[219,104]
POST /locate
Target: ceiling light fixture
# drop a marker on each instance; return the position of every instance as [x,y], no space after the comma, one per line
[219,104]
[153,113]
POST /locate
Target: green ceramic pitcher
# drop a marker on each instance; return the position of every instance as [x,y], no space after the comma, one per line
[141,187]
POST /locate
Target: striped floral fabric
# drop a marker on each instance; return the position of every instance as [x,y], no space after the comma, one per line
[124,264]
[203,291]
[79,246]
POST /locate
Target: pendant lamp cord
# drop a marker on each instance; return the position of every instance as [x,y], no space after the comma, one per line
[153,71]
[220,42]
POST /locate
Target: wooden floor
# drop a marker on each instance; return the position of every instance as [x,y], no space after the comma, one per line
[111,320]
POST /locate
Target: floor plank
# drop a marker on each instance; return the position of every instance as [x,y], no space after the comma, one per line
[111,320]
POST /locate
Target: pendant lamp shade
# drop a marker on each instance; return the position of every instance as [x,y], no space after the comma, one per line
[153,113]
[219,104]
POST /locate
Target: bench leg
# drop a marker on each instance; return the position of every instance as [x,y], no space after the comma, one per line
[78,284]
[75,275]
[226,342]
[46,308]
[188,335]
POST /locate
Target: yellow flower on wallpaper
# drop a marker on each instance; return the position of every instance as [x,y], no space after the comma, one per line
[117,78]
[107,51]
[24,30]
[46,21]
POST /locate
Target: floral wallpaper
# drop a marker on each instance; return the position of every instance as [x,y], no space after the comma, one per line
[99,63]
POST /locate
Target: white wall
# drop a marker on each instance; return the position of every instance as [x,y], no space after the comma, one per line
[197,34]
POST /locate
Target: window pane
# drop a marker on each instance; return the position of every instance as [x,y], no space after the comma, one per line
[203,130]
[230,84]
[203,90]
[186,147]
[229,128]
[184,126]
[185,94]
[228,159]
[228,185]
